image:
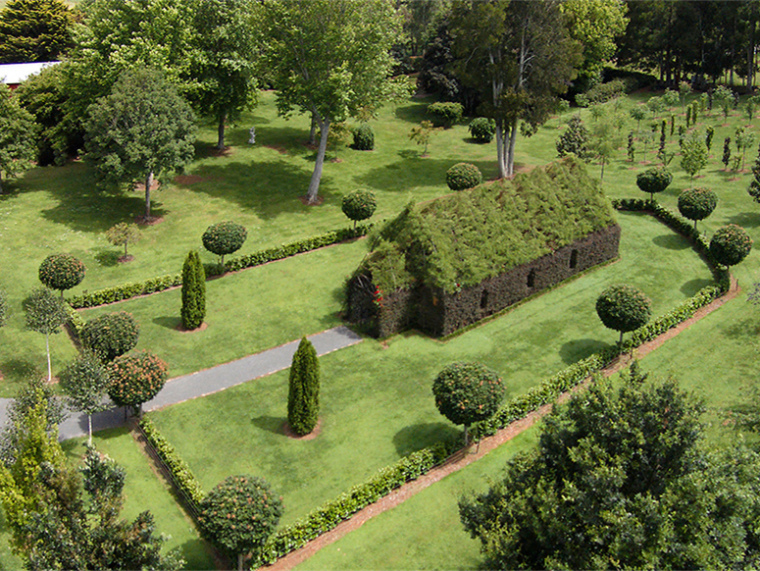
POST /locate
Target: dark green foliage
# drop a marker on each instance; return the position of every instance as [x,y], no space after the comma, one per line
[697,203]
[110,335]
[224,238]
[623,308]
[654,180]
[730,245]
[34,30]
[61,271]
[463,176]
[85,382]
[726,151]
[136,378]
[709,137]
[17,133]
[482,129]
[239,514]
[45,313]
[359,205]
[364,138]
[467,393]
[621,479]
[303,393]
[603,92]
[574,140]
[193,292]
[631,148]
[3,308]
[445,114]
[754,186]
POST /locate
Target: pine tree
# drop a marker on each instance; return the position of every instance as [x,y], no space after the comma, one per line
[303,394]
[754,186]
[193,291]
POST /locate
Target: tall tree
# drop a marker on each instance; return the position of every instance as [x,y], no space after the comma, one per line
[303,389]
[330,59]
[34,30]
[45,313]
[520,56]
[85,382]
[140,130]
[17,131]
[193,292]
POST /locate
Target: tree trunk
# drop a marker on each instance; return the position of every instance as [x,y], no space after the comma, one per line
[1,182]
[148,184]
[511,139]
[240,562]
[316,176]
[601,177]
[125,249]
[500,148]
[313,131]
[220,132]
[50,367]
[89,427]
[620,341]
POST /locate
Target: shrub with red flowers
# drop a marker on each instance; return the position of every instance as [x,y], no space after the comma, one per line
[377,298]
[136,378]
[61,271]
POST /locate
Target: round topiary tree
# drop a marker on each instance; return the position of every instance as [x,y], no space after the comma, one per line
[482,129]
[654,180]
[697,204]
[224,238]
[467,392]
[730,245]
[359,205]
[61,272]
[110,335]
[303,393]
[463,176]
[193,292]
[135,379]
[364,138]
[239,514]
[623,308]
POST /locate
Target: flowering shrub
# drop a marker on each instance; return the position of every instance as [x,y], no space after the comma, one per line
[136,378]
[377,298]
[110,335]
[61,271]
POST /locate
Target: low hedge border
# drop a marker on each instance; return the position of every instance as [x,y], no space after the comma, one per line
[153,285]
[75,322]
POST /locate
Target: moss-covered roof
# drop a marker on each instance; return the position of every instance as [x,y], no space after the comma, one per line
[463,238]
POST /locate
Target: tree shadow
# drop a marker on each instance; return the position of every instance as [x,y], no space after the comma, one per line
[169,322]
[671,242]
[417,436]
[271,424]
[578,349]
[108,258]
[745,328]
[691,287]
[745,219]
[409,173]
[414,112]
[16,370]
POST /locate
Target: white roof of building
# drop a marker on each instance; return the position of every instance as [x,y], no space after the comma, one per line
[14,73]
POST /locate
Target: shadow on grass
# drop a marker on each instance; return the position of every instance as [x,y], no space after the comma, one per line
[17,370]
[746,328]
[418,436]
[415,171]
[198,555]
[169,322]
[108,258]
[271,424]
[691,287]
[414,112]
[671,242]
[578,349]
[745,219]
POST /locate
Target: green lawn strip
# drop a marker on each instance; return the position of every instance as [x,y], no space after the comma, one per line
[423,532]
[247,312]
[7,559]
[144,490]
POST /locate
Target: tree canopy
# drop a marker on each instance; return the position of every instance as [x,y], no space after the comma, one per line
[17,130]
[34,30]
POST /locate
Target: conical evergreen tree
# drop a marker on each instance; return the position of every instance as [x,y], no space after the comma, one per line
[303,395]
[193,291]
[754,186]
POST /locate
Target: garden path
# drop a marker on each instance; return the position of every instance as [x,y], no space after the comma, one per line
[207,381]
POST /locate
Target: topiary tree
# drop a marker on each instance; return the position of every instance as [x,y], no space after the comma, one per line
[61,272]
[730,245]
[482,129]
[193,292]
[303,393]
[726,152]
[359,205]
[445,114]
[467,392]
[224,238]
[239,514]
[463,176]
[574,140]
[85,382]
[110,335]
[623,308]
[697,204]
[135,379]
[123,234]
[654,180]
[364,138]
[45,314]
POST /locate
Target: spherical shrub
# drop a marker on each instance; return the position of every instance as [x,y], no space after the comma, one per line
[697,203]
[482,129]
[654,180]
[110,335]
[364,138]
[623,308]
[462,176]
[224,238]
[61,271]
[730,245]
[445,114]
[136,378]
[359,205]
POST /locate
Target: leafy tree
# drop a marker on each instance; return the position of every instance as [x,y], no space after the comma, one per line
[694,154]
[135,379]
[606,137]
[110,335]
[467,392]
[638,113]
[563,106]
[684,90]
[85,382]
[751,106]
[655,105]
[34,30]
[726,151]
[45,313]
[754,186]
[421,135]
[654,180]
[17,131]
[723,97]
[224,238]
[359,205]
[574,140]
[518,56]
[623,308]
[239,514]
[193,292]
[621,478]
[697,203]
[303,393]
[61,272]
[123,234]
[730,245]
[329,58]
[743,140]
[125,142]
[671,98]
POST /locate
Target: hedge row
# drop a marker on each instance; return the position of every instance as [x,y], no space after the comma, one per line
[153,285]
[75,322]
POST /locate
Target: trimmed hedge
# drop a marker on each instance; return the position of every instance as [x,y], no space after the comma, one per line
[153,285]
